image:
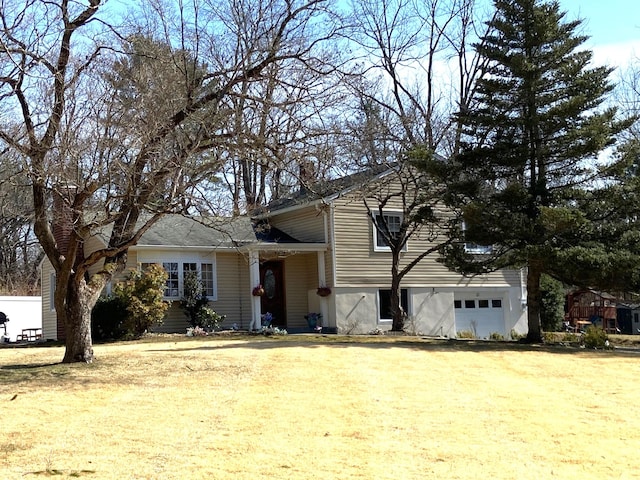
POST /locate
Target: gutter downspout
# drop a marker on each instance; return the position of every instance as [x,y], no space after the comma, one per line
[332,242]
[523,289]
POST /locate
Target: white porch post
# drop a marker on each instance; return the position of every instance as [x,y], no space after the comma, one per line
[322,282]
[254,278]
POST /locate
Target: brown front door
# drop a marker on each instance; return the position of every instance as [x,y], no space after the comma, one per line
[273,301]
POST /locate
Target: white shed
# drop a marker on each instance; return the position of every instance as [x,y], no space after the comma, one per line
[22,312]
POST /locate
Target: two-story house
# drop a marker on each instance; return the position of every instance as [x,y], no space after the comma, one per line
[312,240]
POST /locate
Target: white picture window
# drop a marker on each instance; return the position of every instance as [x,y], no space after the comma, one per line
[393,222]
[206,277]
[172,289]
[177,271]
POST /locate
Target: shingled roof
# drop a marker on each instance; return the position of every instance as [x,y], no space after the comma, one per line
[329,188]
[177,230]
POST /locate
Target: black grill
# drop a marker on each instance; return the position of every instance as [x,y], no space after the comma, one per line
[3,321]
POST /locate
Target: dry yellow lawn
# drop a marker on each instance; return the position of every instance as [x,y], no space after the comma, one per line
[302,408]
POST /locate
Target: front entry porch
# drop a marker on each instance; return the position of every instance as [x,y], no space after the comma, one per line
[289,281]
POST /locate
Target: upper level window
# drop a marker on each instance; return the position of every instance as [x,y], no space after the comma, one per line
[474,248]
[393,222]
[477,249]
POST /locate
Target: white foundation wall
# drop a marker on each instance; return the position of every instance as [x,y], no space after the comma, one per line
[356,310]
[431,313]
[431,309]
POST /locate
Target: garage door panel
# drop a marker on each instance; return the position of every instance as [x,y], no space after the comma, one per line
[483,316]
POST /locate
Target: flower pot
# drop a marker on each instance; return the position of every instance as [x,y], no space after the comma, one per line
[313,321]
[324,291]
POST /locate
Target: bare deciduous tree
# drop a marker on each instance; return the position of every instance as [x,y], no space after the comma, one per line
[20,253]
[123,129]
[416,69]
[416,73]
[281,122]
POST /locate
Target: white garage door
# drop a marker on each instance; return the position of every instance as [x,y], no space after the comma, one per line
[483,316]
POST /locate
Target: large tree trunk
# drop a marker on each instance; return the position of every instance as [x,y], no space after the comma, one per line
[534,297]
[396,302]
[78,344]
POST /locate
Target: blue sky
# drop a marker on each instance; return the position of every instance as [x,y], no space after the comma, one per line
[609,21]
[614,27]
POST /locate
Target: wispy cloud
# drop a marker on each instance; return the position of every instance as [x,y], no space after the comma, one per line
[618,55]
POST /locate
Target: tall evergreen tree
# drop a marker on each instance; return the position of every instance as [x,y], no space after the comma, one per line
[610,258]
[531,145]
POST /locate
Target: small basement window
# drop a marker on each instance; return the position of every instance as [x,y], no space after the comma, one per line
[384,298]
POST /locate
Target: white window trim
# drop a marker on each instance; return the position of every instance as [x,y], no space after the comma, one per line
[374,231]
[181,260]
[475,249]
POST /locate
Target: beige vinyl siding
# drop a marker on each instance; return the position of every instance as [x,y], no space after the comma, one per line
[329,256]
[91,245]
[357,264]
[301,276]
[233,293]
[175,321]
[328,267]
[132,264]
[49,322]
[305,225]
[231,277]
[234,290]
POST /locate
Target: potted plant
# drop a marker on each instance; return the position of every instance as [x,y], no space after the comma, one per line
[323,291]
[314,320]
[266,319]
[258,291]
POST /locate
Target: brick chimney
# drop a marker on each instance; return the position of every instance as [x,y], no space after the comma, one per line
[306,175]
[62,224]
[62,216]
